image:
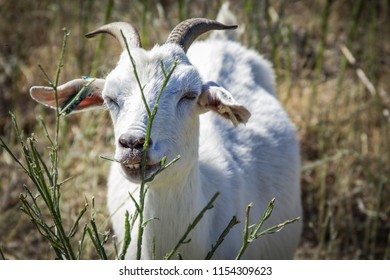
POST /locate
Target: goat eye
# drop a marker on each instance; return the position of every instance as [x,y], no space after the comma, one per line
[188,96]
[111,102]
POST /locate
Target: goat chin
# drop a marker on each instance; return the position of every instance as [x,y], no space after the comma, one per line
[252,163]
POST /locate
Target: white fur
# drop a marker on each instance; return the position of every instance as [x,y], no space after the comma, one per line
[251,163]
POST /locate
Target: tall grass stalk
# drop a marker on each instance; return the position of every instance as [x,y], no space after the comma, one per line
[344,62]
[85,15]
[251,22]
[127,237]
[145,26]
[274,35]
[181,5]
[320,57]
[100,44]
[94,235]
[375,222]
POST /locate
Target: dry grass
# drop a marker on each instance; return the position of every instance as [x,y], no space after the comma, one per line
[341,109]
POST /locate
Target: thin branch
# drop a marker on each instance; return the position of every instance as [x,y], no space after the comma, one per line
[136,75]
[221,238]
[191,226]
[127,238]
[251,234]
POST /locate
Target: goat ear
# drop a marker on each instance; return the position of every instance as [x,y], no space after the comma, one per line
[221,101]
[75,95]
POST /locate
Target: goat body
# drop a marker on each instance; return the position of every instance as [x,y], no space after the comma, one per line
[251,163]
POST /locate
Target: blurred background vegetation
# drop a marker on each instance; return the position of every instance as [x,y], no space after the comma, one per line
[332,60]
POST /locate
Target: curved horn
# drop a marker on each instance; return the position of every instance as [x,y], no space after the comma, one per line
[114,29]
[187,31]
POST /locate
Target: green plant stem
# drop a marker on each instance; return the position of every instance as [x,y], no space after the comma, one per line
[274,35]
[82,241]
[55,208]
[221,238]
[191,226]
[99,46]
[343,65]
[245,237]
[320,57]
[136,76]
[127,238]
[182,10]
[143,188]
[161,169]
[250,234]
[58,114]
[94,235]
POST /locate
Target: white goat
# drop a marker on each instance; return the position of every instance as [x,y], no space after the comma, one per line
[251,163]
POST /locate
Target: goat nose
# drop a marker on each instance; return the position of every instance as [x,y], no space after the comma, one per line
[133,141]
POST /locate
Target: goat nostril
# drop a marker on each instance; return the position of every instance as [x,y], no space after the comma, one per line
[138,143]
[133,142]
[141,141]
[123,142]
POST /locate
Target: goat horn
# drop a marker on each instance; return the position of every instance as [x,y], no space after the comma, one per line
[187,31]
[114,29]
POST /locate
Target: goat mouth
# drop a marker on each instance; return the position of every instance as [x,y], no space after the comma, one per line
[134,170]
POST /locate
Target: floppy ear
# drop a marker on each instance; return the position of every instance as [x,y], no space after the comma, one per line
[75,95]
[221,101]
